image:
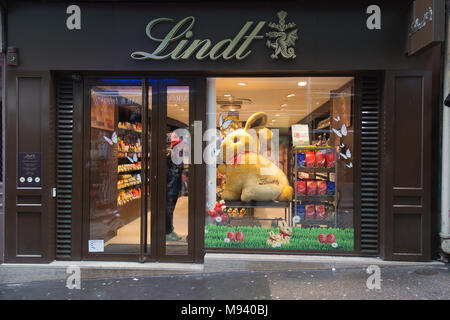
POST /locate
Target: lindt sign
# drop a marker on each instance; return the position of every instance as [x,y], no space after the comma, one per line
[237,47]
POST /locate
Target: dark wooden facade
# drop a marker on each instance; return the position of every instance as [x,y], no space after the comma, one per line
[398,205]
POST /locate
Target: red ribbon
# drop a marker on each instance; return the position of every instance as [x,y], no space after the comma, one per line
[237,157]
[284,234]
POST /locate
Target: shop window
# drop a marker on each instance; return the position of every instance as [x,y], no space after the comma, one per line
[284,172]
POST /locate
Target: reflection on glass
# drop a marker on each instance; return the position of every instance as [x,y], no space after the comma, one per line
[177,171]
[286,177]
[115,168]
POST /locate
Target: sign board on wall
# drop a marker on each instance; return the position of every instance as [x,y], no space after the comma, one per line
[426,24]
[300,134]
[29,169]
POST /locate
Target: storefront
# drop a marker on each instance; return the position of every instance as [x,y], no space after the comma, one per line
[156,131]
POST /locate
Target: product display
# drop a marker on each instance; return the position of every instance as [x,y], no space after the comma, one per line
[128,195]
[321,187]
[311,188]
[321,158]
[310,159]
[315,194]
[330,158]
[137,126]
[320,212]
[129,167]
[301,187]
[261,155]
[310,212]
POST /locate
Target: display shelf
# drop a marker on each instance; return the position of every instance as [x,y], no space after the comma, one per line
[315,169]
[127,201]
[129,130]
[317,174]
[286,205]
[128,171]
[305,198]
[121,154]
[128,186]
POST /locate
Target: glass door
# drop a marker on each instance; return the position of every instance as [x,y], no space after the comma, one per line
[116,168]
[174,226]
[140,174]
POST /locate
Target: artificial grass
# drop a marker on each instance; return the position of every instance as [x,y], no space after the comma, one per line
[256,237]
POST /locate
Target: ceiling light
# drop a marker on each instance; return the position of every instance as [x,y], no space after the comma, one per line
[241,83]
[302,83]
[277,115]
[273,120]
[181,109]
[283,105]
[290,95]
[227,95]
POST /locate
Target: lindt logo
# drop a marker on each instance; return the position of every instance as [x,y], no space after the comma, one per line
[233,48]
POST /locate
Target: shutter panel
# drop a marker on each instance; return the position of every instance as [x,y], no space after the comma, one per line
[64,173]
[370,162]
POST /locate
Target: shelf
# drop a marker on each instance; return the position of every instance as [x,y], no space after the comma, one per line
[328,200]
[121,154]
[311,147]
[127,202]
[316,169]
[130,130]
[314,198]
[258,204]
[128,171]
[315,223]
[128,186]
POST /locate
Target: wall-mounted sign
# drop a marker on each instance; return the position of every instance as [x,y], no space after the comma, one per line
[426,24]
[29,169]
[236,47]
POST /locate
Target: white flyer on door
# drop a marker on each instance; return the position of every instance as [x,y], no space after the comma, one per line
[96,246]
[300,134]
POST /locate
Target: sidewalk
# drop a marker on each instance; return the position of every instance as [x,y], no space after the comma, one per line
[400,282]
[214,263]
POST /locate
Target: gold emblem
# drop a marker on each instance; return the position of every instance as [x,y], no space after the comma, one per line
[284,41]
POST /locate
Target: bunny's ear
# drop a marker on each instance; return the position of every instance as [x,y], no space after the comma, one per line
[256,120]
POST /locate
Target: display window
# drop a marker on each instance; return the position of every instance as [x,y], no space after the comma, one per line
[284,171]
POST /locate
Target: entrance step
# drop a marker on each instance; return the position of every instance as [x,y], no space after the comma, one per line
[57,270]
[218,262]
[214,263]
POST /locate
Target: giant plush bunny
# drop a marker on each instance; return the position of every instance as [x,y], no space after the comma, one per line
[249,175]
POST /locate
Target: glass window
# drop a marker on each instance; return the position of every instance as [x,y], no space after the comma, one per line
[284,169]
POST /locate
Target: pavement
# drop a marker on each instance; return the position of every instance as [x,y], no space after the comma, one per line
[234,277]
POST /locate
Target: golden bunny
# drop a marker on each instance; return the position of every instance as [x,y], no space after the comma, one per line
[249,175]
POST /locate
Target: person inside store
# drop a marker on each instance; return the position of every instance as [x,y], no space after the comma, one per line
[175,179]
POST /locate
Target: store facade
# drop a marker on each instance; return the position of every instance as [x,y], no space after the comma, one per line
[159,131]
